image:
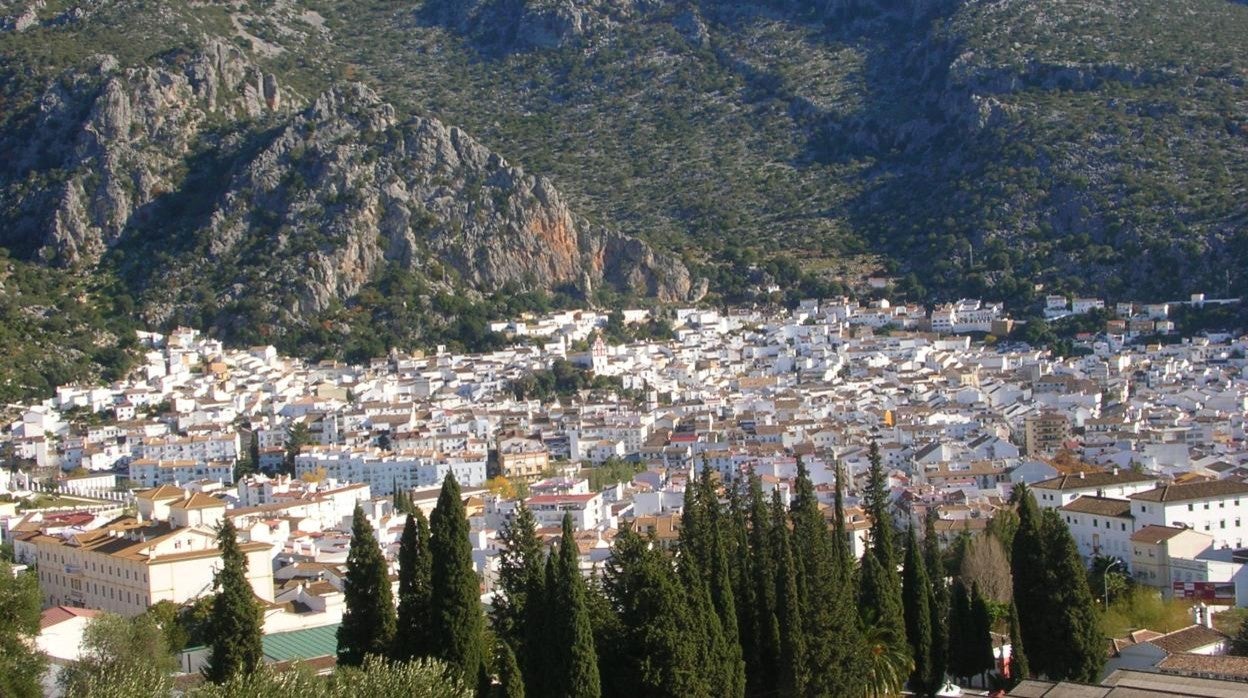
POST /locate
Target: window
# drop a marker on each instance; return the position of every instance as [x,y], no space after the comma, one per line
[1222,523]
[1190,507]
[1206,506]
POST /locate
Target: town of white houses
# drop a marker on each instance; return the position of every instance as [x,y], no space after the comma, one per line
[113,495]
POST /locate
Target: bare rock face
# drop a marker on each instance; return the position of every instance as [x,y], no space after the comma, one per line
[348,186]
[519,25]
[138,126]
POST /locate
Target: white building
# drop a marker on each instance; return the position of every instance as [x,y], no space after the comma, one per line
[129,564]
[1100,526]
[1216,508]
[149,472]
[586,510]
[1064,489]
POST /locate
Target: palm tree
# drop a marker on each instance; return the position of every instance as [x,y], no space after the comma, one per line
[888,657]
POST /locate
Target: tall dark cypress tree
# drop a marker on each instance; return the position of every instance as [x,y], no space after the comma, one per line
[236,622]
[766,672]
[510,682]
[458,627]
[705,569]
[1071,609]
[885,589]
[792,677]
[521,581]
[411,638]
[982,656]
[1033,584]
[938,601]
[961,633]
[835,650]
[655,650]
[368,623]
[1019,666]
[575,671]
[741,571]
[916,605]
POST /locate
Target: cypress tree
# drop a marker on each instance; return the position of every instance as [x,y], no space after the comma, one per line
[521,581]
[236,623]
[411,638]
[1033,583]
[458,627]
[791,674]
[982,656]
[1071,609]
[938,602]
[883,535]
[575,673]
[1019,669]
[655,652]
[916,605]
[741,571]
[961,633]
[704,567]
[765,674]
[368,623]
[885,588]
[510,682]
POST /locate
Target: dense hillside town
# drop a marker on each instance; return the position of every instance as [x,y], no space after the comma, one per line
[114,495]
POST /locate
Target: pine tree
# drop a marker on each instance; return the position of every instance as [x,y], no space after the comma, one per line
[458,626]
[368,623]
[510,681]
[236,623]
[1071,609]
[575,674]
[1019,669]
[916,605]
[1033,584]
[521,581]
[983,658]
[939,602]
[411,638]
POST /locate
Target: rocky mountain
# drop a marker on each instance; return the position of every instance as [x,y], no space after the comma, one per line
[246,190]
[302,171]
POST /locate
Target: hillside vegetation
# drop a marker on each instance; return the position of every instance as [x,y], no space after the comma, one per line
[319,174]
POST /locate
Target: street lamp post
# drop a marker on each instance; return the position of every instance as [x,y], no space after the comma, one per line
[1105,580]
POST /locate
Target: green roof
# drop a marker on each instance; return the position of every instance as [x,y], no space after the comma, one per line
[302,644]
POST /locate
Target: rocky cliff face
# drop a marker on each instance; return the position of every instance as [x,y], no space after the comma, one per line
[519,25]
[116,139]
[208,162]
[348,185]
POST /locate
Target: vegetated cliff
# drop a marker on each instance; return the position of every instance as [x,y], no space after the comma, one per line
[985,145]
